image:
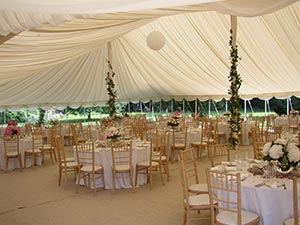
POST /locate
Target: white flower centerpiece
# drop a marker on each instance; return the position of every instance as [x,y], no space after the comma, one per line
[284,153]
[113,134]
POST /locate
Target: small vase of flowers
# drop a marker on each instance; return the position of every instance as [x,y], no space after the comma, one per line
[173,122]
[113,135]
[12,128]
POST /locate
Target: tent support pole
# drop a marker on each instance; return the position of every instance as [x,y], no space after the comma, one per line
[209,108]
[183,105]
[245,109]
[233,20]
[160,102]
[265,107]
[196,106]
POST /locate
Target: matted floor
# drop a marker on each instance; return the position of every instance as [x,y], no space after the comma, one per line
[33,197]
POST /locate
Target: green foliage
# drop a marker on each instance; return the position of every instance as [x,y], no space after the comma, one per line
[112,93]
[42,115]
[235,84]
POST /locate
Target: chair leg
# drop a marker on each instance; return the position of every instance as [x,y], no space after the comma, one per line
[136,174]
[20,162]
[59,175]
[131,181]
[166,168]
[25,156]
[6,164]
[94,181]
[54,153]
[103,179]
[78,181]
[114,181]
[161,175]
[172,154]
[33,159]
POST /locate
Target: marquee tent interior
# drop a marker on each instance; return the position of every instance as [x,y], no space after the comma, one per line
[54,53]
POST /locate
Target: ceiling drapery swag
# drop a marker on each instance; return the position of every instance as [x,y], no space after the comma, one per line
[235,84]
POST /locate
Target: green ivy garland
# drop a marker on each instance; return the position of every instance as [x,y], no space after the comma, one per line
[235,84]
[112,93]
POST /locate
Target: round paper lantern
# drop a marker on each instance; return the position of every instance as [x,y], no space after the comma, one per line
[156,40]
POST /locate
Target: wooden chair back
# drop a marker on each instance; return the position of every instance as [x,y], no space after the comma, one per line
[12,149]
[224,188]
[189,166]
[257,149]
[60,151]
[37,140]
[122,162]
[219,153]
[85,153]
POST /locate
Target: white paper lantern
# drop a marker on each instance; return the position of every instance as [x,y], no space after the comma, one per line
[156,40]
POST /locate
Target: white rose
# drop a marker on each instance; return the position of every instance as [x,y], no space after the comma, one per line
[276,151]
[280,141]
[294,140]
[266,149]
[112,129]
[293,152]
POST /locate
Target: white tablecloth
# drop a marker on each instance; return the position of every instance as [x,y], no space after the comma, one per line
[246,132]
[274,205]
[25,143]
[140,152]
[193,135]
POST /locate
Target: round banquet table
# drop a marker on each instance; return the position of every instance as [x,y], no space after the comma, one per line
[273,203]
[103,157]
[25,143]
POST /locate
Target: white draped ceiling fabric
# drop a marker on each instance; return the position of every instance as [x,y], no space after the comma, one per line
[54,53]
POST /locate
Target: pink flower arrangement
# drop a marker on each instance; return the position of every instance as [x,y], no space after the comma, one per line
[12,123]
[12,128]
[176,114]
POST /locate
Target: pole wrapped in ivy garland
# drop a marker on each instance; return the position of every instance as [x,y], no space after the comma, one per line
[112,93]
[235,84]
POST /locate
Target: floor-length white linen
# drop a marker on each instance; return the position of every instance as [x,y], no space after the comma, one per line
[272,204]
[140,152]
[25,143]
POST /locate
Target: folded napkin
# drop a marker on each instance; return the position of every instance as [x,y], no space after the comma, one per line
[228,163]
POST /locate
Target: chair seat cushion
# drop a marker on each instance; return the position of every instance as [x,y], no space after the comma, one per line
[198,188]
[178,145]
[196,143]
[121,168]
[12,153]
[196,200]
[230,218]
[72,164]
[70,159]
[290,221]
[34,150]
[157,158]
[89,168]
[147,163]
[48,146]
